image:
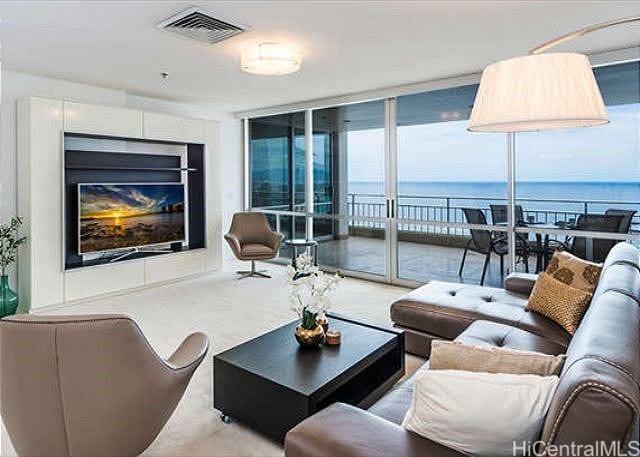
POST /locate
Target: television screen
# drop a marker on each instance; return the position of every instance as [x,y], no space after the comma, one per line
[118,216]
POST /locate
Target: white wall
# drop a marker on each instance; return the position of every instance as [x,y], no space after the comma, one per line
[17,85]
[231,176]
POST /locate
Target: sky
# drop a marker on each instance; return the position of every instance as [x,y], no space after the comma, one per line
[124,200]
[447,152]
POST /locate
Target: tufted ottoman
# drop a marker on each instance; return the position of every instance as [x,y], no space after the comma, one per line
[443,310]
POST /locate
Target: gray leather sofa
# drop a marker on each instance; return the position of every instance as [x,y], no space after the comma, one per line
[598,397]
[443,310]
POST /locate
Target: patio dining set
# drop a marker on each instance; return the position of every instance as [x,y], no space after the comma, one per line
[488,242]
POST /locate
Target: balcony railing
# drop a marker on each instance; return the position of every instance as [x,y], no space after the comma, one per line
[427,209]
[419,210]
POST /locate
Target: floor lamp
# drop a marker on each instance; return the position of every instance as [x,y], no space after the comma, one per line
[538,92]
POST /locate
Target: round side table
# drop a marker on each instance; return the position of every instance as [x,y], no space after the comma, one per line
[297,244]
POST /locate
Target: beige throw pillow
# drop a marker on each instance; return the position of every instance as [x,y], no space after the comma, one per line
[451,355]
[574,271]
[559,302]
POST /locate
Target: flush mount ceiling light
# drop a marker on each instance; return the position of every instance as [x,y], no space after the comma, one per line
[270,59]
[541,91]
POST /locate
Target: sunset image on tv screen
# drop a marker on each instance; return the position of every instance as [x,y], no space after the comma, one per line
[118,216]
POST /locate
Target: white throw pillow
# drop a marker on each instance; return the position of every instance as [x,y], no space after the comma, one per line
[479,413]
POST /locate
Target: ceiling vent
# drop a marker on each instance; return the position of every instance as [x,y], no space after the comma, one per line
[200,25]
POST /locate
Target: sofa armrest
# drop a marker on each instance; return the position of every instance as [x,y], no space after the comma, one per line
[347,431]
[520,283]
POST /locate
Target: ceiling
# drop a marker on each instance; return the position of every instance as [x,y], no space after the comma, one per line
[349,46]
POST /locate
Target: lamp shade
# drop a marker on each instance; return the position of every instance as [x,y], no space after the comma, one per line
[538,92]
[270,59]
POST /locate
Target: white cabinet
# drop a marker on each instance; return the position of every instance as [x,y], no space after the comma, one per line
[42,122]
[102,120]
[40,201]
[173,266]
[103,279]
[159,126]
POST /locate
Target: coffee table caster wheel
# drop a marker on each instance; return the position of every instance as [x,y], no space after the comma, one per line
[224,418]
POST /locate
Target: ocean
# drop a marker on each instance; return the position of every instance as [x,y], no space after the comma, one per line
[569,197]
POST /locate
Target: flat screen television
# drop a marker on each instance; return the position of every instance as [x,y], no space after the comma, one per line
[113,217]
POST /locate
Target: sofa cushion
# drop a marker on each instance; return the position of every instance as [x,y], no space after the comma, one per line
[446,309]
[255,249]
[485,333]
[455,355]
[344,430]
[395,404]
[520,283]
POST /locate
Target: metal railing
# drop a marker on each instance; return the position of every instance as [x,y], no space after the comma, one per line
[420,212]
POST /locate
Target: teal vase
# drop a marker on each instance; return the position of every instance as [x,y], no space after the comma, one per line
[8,298]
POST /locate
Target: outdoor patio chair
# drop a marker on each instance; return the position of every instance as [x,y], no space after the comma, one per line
[485,242]
[499,214]
[595,223]
[627,218]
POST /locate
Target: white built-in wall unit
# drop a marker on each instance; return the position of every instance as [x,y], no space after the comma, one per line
[44,125]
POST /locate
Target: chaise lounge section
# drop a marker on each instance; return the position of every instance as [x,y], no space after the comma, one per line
[443,310]
[598,396]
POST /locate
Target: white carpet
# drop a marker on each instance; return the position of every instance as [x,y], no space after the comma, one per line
[229,312]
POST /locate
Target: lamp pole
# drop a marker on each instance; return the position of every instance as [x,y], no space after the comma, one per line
[581,32]
[511,199]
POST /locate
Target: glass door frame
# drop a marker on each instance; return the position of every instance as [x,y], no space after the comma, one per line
[392,221]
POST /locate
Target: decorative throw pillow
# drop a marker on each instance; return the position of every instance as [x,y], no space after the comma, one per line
[559,302]
[574,271]
[452,355]
[479,413]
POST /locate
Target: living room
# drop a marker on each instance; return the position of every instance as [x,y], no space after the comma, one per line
[311,228]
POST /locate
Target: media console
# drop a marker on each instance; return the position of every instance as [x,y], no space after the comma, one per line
[63,143]
[103,159]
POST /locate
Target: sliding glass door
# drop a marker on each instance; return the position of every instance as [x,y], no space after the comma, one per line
[402,192]
[349,220]
[277,172]
[447,178]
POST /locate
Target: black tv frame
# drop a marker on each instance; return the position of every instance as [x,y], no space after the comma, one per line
[84,166]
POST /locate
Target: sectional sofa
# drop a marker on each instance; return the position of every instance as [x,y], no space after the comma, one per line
[598,397]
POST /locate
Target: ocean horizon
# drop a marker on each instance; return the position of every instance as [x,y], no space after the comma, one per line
[533,195]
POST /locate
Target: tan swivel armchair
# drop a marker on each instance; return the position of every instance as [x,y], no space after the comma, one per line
[88,385]
[251,238]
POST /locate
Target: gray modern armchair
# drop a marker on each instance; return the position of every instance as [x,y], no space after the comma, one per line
[251,238]
[88,385]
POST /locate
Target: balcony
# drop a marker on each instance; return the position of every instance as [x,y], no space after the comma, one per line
[428,249]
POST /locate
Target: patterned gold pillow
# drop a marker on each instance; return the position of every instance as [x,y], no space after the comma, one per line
[574,271]
[558,301]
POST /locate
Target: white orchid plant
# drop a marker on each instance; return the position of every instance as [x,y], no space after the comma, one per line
[309,290]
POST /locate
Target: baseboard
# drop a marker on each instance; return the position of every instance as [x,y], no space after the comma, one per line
[53,307]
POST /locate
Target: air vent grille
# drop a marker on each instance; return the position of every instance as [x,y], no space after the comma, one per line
[199,25]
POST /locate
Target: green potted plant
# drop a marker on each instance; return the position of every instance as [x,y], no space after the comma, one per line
[10,239]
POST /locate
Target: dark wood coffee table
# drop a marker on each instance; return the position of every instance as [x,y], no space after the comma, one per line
[271,384]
